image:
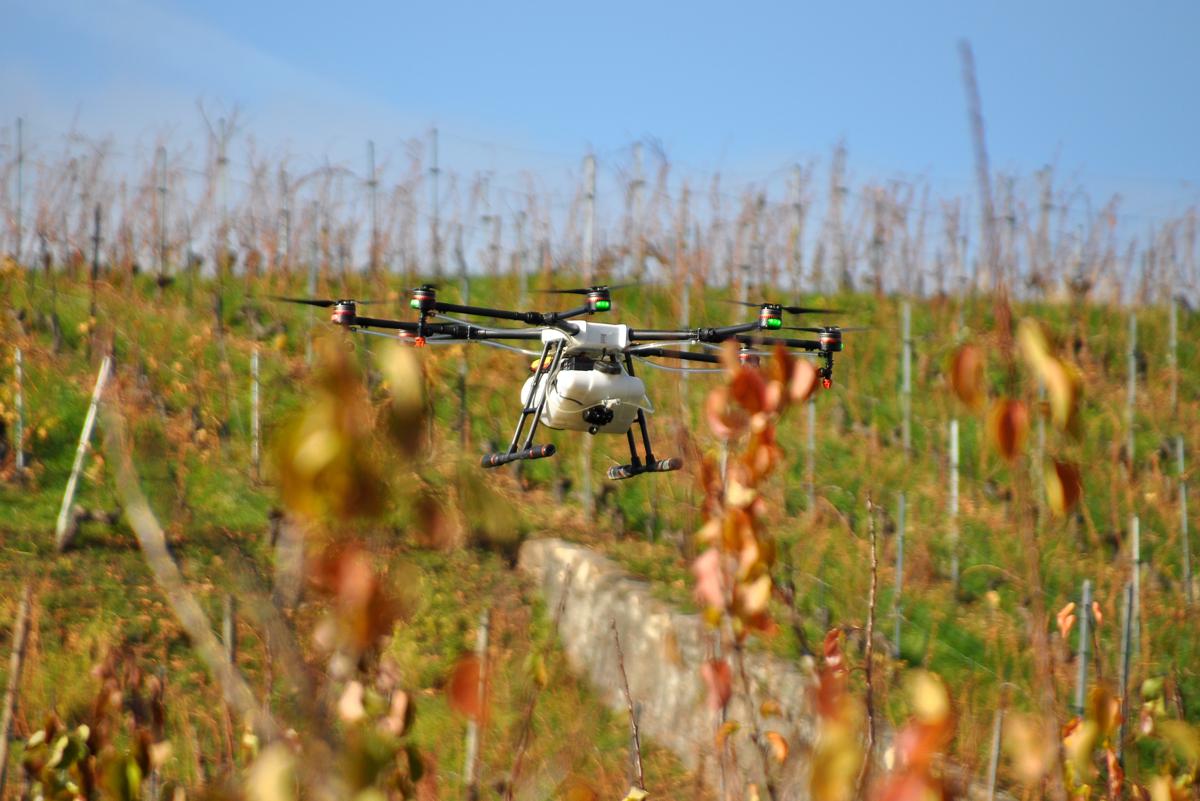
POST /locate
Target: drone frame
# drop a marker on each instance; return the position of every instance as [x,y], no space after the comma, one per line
[642,343]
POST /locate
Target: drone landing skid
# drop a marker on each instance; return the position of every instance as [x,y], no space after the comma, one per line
[532,413]
[636,466]
[535,452]
[624,471]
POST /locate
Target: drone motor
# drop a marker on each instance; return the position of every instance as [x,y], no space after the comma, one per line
[344,312]
[770,316]
[830,339]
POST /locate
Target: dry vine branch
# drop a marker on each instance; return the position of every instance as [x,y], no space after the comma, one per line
[633,725]
[760,740]
[870,650]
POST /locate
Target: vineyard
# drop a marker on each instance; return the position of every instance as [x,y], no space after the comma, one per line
[282,566]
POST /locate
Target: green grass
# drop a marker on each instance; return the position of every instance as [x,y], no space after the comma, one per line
[190,390]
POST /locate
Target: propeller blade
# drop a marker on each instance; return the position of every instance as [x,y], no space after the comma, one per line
[564,291]
[817,330]
[586,290]
[319,302]
[306,301]
[810,310]
[788,309]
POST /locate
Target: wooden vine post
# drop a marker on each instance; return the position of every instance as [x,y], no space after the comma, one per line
[64,531]
[15,663]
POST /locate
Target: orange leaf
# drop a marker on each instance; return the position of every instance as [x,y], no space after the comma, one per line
[1116,774]
[781,364]
[966,376]
[730,359]
[1066,619]
[719,679]
[779,746]
[804,381]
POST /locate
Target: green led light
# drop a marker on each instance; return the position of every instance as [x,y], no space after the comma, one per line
[603,305]
[774,322]
[414,303]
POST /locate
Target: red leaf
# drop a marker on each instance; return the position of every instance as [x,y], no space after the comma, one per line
[749,390]
[833,650]
[1063,487]
[723,420]
[1008,426]
[463,688]
[719,678]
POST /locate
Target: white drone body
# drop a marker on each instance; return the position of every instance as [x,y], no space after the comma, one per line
[592,391]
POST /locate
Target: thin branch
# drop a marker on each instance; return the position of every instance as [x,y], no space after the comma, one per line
[870,650]
[760,741]
[633,724]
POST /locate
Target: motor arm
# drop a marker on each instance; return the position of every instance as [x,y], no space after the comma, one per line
[710,335]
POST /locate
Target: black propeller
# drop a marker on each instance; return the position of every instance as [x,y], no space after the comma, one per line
[817,330]
[320,303]
[788,309]
[588,290]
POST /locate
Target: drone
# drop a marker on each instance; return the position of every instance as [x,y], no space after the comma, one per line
[583,376]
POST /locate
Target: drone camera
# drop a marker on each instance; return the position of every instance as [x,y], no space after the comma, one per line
[343,313]
[597,416]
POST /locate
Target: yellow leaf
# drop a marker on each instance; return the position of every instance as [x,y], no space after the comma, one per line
[271,777]
[1183,737]
[738,495]
[725,732]
[578,790]
[636,794]
[757,594]
[928,697]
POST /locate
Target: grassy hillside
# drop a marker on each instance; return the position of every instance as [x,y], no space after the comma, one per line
[184,386]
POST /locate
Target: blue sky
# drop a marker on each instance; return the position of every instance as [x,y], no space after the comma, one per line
[1103,90]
